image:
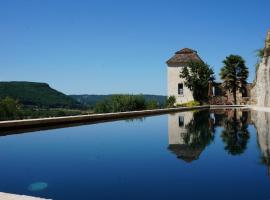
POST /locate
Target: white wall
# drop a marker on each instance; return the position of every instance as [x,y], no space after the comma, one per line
[173,80]
[176,132]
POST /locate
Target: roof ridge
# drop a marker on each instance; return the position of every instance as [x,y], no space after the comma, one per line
[185,51]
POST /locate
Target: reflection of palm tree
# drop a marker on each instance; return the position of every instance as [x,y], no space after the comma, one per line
[235,134]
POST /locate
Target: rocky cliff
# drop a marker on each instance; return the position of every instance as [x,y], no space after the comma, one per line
[261,90]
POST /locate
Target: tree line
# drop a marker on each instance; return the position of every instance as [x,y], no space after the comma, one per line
[122,103]
[11,109]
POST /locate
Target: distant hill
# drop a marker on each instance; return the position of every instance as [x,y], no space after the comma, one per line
[37,94]
[91,100]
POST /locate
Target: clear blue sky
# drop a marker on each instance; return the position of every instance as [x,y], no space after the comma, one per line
[112,46]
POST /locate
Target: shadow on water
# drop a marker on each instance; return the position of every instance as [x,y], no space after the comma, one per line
[191,132]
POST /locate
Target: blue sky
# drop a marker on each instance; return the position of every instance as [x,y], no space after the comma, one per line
[114,46]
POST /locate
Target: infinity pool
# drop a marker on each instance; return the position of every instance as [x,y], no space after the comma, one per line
[216,154]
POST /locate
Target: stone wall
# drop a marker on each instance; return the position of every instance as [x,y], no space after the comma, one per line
[224,97]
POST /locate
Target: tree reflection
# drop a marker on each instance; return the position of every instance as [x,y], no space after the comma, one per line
[189,134]
[199,133]
[235,134]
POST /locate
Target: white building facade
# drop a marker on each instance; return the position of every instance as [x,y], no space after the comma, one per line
[176,85]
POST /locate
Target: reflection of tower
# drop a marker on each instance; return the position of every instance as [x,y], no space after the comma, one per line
[261,121]
[177,131]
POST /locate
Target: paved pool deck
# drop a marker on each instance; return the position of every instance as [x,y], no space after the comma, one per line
[259,108]
[252,107]
[8,196]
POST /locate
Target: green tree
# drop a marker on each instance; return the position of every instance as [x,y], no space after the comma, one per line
[197,75]
[121,103]
[152,104]
[170,101]
[234,73]
[9,109]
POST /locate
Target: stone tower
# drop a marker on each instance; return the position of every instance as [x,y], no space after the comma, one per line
[175,84]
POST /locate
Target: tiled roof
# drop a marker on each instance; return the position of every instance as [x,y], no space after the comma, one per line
[184,56]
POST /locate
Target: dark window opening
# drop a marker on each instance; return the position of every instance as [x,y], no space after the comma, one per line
[181,121]
[180,89]
[244,92]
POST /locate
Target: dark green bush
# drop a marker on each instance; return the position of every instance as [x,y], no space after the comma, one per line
[152,104]
[9,109]
[121,103]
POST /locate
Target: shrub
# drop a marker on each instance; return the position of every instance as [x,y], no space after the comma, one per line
[121,103]
[189,104]
[170,101]
[152,104]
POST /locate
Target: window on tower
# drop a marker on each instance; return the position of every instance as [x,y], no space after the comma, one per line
[180,89]
[181,121]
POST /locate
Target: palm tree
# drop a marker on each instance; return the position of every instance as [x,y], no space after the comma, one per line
[234,73]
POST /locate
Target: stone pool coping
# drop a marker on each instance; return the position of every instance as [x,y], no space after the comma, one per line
[8,196]
[91,117]
[29,125]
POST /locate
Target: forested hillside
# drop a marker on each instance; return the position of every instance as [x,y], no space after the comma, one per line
[36,95]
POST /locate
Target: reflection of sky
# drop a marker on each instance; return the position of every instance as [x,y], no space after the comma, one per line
[127,160]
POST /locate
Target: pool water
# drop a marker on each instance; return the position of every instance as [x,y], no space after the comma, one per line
[216,154]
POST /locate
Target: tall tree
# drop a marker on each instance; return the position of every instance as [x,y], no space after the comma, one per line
[197,75]
[234,73]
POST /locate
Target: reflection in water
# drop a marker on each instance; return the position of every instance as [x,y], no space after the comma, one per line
[261,121]
[189,137]
[138,119]
[191,132]
[235,134]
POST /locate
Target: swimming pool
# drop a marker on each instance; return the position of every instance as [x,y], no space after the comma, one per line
[209,154]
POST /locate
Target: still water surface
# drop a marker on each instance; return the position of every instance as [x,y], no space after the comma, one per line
[217,154]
